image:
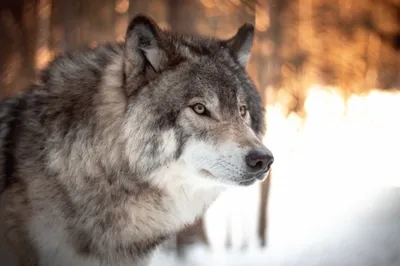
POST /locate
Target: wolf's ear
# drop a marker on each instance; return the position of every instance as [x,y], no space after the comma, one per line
[240,44]
[143,51]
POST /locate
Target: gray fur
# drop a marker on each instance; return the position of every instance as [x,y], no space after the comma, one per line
[104,158]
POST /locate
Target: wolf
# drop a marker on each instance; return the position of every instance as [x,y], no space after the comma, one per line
[118,147]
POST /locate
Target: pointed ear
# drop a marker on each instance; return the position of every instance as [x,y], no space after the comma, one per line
[240,44]
[143,51]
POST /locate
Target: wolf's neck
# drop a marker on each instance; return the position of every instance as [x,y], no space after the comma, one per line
[181,198]
[168,211]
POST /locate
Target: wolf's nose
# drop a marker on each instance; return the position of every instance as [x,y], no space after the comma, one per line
[259,160]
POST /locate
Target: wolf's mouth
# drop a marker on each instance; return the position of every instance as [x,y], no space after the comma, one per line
[247,182]
[262,176]
[259,177]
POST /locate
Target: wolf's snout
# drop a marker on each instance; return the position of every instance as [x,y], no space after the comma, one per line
[259,160]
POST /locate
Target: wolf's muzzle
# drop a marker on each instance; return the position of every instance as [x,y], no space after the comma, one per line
[259,162]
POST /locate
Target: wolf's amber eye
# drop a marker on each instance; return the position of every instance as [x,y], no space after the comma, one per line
[199,109]
[243,110]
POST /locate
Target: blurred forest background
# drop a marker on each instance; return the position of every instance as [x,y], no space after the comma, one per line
[351,45]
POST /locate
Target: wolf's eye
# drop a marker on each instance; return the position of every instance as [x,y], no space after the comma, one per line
[199,108]
[243,110]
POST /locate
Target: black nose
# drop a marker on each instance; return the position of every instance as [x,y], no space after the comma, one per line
[259,160]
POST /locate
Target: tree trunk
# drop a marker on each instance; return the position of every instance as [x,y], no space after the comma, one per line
[19,28]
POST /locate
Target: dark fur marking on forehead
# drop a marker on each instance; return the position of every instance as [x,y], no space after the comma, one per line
[233,78]
[198,48]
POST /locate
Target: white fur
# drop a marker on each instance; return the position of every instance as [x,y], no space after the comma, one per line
[189,192]
[225,161]
[191,189]
[168,144]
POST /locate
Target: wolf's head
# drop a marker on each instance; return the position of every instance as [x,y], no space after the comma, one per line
[192,106]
